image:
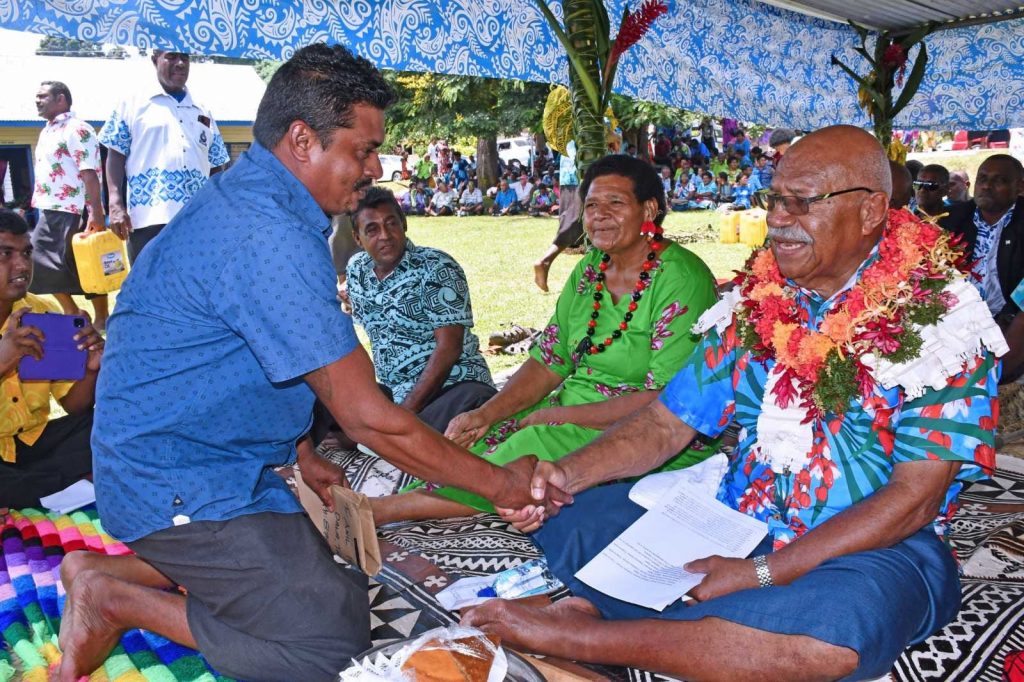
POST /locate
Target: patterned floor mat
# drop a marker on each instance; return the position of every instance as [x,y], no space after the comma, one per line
[990,624]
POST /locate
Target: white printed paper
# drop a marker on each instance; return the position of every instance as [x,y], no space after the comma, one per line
[644,565]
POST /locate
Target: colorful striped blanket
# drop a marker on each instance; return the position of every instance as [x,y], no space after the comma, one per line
[32,599]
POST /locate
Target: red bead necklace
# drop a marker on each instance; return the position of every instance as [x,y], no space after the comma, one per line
[587,345]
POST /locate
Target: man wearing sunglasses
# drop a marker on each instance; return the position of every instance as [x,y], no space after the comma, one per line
[930,188]
[853,568]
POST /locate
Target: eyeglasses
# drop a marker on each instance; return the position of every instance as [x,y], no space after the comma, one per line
[926,185]
[795,205]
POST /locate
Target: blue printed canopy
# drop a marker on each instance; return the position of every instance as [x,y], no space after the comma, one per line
[743,59]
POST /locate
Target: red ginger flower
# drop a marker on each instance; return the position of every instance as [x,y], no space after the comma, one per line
[635,25]
[895,58]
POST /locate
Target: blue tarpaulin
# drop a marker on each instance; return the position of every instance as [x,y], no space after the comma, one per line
[738,58]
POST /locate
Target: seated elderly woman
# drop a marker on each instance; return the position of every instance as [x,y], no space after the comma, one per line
[621,329]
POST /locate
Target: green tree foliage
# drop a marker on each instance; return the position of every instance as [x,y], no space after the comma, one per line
[56,46]
[267,68]
[454,107]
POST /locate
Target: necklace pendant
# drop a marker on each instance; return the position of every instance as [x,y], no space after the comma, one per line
[584,346]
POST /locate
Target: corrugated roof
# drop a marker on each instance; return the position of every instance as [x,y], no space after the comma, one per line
[905,14]
[231,92]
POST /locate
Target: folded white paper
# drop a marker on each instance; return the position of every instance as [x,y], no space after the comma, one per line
[704,477]
[75,496]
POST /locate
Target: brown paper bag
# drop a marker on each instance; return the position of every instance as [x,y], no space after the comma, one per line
[349,529]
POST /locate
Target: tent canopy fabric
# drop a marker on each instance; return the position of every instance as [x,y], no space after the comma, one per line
[744,59]
[885,15]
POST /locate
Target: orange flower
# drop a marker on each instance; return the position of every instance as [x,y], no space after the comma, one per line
[781,333]
[909,250]
[838,326]
[764,266]
[763,290]
[814,348]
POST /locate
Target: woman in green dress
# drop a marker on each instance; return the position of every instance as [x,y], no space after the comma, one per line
[620,331]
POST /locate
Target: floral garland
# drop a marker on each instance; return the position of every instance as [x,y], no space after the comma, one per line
[903,290]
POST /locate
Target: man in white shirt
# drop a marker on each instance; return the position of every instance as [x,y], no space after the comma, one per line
[443,201]
[66,181]
[524,191]
[472,200]
[167,144]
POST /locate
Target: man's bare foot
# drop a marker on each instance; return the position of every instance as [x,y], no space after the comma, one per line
[531,628]
[86,632]
[71,565]
[540,276]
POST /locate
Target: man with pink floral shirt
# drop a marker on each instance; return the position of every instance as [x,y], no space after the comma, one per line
[66,179]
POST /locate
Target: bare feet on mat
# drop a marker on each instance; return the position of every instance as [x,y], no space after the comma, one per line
[533,628]
[87,634]
[540,276]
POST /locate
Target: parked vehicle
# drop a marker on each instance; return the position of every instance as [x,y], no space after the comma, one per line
[392,167]
[981,139]
[517,148]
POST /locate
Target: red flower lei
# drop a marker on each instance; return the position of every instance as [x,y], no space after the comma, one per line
[895,295]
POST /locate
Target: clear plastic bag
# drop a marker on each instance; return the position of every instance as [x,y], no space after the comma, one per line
[452,653]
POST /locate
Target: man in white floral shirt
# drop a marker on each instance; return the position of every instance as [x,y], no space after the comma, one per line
[66,180]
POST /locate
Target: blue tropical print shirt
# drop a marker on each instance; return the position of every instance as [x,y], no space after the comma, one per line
[427,290]
[853,454]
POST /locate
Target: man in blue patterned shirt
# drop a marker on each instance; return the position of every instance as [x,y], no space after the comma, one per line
[224,334]
[414,304]
[167,143]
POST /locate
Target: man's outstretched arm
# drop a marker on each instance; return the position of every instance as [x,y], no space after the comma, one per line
[348,388]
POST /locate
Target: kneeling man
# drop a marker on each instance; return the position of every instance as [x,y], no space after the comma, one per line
[225,330]
[856,473]
[414,304]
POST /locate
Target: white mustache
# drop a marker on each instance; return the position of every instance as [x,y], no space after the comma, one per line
[789,234]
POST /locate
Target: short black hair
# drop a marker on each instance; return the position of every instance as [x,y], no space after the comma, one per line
[376,197]
[939,170]
[12,223]
[914,166]
[646,181]
[1013,161]
[320,84]
[58,88]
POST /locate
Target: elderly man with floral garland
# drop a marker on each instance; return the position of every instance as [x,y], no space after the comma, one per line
[861,366]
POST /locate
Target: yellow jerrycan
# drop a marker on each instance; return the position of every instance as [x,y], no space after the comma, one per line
[728,227]
[753,227]
[102,261]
